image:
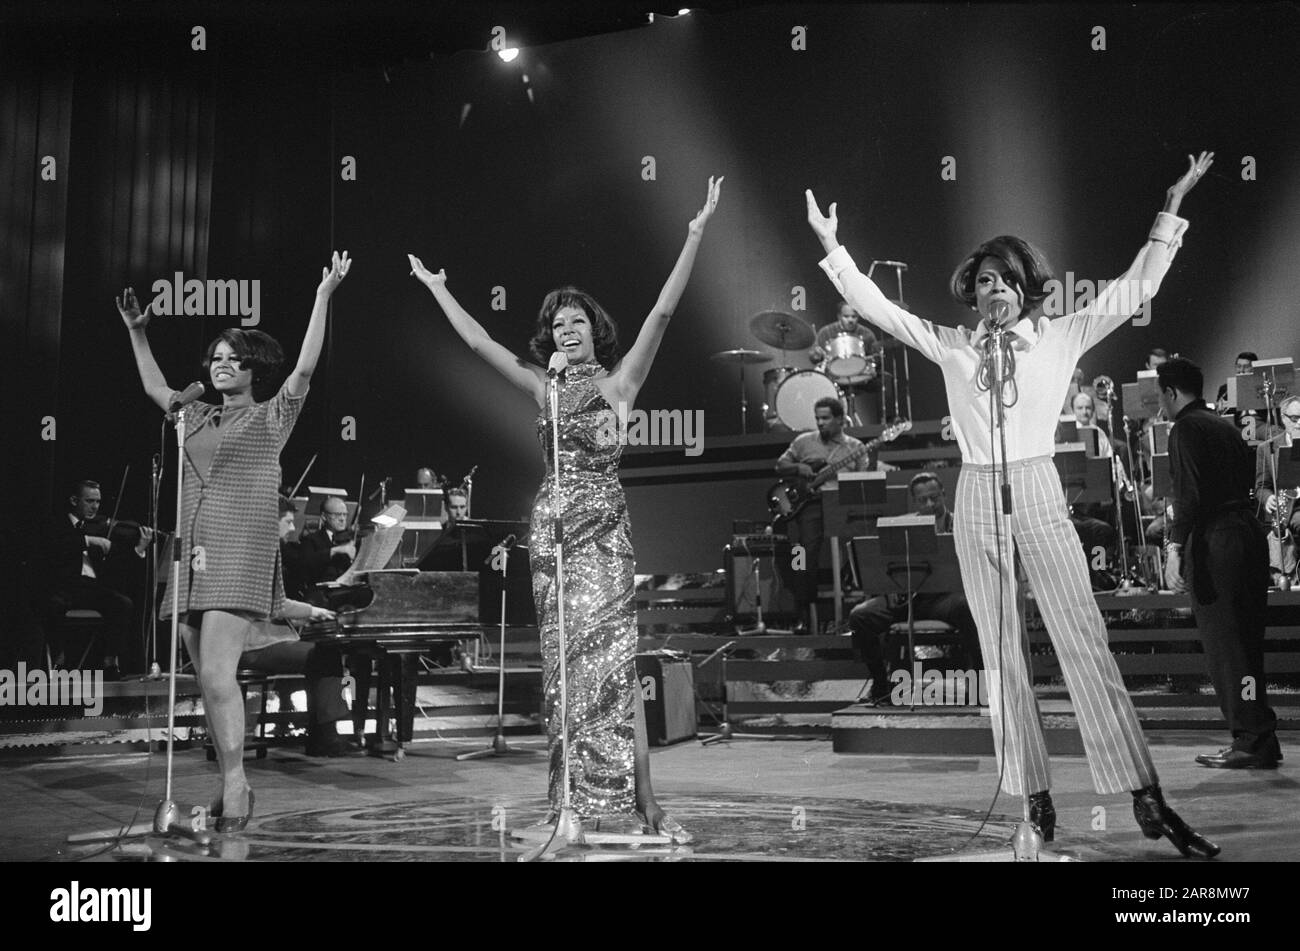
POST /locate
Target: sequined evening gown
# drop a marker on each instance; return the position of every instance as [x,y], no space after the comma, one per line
[600,617]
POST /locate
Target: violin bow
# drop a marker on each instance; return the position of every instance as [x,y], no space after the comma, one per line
[297,486]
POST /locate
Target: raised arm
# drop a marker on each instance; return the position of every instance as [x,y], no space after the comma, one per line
[530,379]
[331,278]
[635,366]
[155,384]
[866,298]
[1122,298]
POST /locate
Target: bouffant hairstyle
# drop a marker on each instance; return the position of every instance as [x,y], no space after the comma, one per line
[257,351]
[1029,269]
[604,332]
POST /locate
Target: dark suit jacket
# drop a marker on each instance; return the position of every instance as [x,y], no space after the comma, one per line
[61,562]
[317,563]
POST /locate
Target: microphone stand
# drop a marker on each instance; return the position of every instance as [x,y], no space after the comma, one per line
[169,815]
[568,829]
[151,567]
[1116,474]
[499,747]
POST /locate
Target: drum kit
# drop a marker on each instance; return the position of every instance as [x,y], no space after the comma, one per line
[848,370]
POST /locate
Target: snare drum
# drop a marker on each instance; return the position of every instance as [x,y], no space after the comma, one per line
[798,393]
[847,360]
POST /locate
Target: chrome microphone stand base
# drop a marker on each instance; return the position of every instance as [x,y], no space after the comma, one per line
[1026,845]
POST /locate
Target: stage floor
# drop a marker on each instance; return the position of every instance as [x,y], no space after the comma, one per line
[746,800]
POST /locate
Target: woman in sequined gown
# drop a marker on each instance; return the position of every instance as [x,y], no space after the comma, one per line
[609,757]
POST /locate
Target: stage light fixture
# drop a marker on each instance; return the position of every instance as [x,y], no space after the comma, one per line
[509,54]
[684,11]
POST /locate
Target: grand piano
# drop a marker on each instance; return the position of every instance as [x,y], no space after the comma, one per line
[391,617]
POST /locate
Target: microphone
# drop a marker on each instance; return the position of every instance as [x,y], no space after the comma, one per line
[559,362]
[999,310]
[185,398]
[508,541]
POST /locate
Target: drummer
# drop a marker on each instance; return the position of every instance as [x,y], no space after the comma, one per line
[846,321]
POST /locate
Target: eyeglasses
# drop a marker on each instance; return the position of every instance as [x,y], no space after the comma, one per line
[1291,419]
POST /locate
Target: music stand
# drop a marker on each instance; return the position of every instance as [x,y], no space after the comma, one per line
[907,555]
[501,555]
[1268,383]
[1090,478]
[424,503]
[850,505]
[1141,400]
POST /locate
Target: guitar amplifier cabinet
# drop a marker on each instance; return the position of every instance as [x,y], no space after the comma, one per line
[667,682]
[744,583]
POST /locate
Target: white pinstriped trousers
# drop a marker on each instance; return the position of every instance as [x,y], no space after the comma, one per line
[1054,561]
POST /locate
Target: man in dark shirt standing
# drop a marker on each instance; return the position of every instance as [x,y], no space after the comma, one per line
[1218,551]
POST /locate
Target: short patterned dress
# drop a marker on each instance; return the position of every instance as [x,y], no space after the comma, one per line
[228,533]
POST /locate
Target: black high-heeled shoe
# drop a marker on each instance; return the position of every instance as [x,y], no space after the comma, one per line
[1043,814]
[1156,819]
[227,824]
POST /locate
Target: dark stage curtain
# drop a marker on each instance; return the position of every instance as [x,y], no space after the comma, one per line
[128,198]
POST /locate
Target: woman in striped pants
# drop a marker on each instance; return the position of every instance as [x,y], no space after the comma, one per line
[1006,282]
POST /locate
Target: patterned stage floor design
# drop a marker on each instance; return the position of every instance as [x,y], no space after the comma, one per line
[734,828]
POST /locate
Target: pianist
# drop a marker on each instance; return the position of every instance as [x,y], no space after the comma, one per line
[272,647]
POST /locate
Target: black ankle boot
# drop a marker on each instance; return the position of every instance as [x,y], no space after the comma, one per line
[1043,814]
[1156,819]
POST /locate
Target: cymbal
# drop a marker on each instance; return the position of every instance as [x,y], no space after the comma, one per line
[741,356]
[781,330]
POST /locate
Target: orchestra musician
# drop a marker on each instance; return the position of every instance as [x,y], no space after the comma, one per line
[1003,281]
[82,564]
[871,620]
[1273,505]
[803,458]
[1092,521]
[229,512]
[426,478]
[1244,366]
[457,505]
[328,552]
[609,749]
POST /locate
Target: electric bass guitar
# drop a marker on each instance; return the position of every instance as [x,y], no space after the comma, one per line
[790,496]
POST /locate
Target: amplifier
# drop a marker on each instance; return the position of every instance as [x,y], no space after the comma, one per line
[667,682]
[758,543]
[746,580]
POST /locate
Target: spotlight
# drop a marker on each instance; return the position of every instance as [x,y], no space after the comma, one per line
[683,11]
[509,54]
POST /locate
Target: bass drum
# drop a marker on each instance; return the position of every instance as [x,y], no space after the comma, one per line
[798,394]
[772,380]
